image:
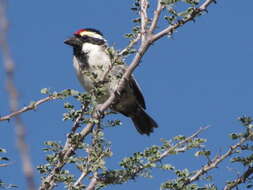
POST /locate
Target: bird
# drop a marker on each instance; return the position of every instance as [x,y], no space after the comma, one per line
[93,66]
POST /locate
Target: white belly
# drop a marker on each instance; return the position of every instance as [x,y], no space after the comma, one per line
[99,63]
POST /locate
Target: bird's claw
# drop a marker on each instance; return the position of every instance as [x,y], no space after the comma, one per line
[117,93]
[98,113]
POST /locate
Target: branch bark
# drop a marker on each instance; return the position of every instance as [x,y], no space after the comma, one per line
[80,179]
[240,179]
[156,16]
[93,183]
[32,106]
[144,18]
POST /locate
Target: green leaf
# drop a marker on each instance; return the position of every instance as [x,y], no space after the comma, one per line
[192,2]
[245,120]
[4,158]
[3,150]
[179,138]
[167,167]
[203,153]
[234,136]
[44,91]
[74,92]
[168,2]
[68,105]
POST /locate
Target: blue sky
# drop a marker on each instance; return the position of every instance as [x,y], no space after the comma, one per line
[203,76]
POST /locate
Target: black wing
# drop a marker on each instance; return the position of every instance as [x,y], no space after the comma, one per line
[120,69]
[137,92]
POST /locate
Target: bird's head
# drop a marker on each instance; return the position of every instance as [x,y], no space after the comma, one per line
[87,35]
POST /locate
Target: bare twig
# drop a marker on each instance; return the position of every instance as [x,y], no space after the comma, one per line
[240,179]
[144,18]
[130,45]
[80,179]
[156,16]
[4,165]
[93,183]
[32,106]
[13,99]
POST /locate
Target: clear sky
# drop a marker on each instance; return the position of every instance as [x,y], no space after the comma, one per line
[203,76]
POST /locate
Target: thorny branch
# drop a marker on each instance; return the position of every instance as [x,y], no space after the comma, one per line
[69,149]
[13,99]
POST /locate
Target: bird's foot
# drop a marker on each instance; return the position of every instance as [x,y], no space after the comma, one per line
[117,93]
[98,113]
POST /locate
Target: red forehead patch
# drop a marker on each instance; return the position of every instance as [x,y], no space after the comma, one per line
[79,31]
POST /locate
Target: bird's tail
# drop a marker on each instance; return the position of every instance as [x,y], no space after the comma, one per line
[143,122]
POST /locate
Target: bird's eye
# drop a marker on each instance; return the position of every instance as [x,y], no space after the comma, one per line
[84,37]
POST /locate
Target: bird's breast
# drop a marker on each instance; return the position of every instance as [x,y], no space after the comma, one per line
[93,71]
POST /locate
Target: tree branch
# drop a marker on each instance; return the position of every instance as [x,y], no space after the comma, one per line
[80,179]
[156,16]
[130,45]
[170,29]
[240,179]
[144,18]
[13,99]
[4,165]
[218,159]
[67,151]
[178,145]
[93,183]
[32,106]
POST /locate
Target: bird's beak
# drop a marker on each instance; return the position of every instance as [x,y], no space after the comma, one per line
[74,42]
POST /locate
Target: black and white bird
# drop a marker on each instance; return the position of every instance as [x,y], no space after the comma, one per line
[93,64]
